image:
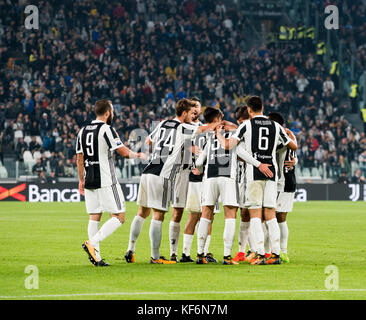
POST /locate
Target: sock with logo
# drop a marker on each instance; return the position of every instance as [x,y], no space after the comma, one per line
[92,230]
[106,230]
[155,234]
[274,235]
[284,236]
[135,230]
[202,234]
[174,230]
[187,243]
[229,236]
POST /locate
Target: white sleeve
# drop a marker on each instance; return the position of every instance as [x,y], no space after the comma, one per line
[240,131]
[79,147]
[245,155]
[154,134]
[284,138]
[112,138]
[188,131]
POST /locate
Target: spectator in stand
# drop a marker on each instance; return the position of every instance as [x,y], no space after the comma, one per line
[1,148]
[358,177]
[362,161]
[20,148]
[34,145]
[343,178]
[40,170]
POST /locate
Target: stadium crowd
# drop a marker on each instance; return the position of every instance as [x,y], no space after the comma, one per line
[146,55]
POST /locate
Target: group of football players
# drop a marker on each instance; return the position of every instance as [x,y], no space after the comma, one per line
[194,166]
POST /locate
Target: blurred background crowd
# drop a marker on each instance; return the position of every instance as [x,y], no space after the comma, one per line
[146,55]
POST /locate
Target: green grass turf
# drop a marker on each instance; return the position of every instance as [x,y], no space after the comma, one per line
[50,237]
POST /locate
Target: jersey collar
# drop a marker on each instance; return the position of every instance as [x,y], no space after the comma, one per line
[97,121]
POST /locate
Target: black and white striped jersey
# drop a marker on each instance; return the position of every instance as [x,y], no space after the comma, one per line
[219,162]
[170,138]
[96,141]
[200,142]
[261,137]
[286,178]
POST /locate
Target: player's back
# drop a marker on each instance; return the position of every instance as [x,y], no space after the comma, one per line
[96,141]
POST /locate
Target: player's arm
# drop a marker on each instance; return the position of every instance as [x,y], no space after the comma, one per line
[80,164]
[115,143]
[229,143]
[229,126]
[202,158]
[247,157]
[286,140]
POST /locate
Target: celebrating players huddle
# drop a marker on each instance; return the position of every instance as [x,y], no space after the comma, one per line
[195,167]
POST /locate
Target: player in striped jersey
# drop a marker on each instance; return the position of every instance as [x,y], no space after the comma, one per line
[168,139]
[97,177]
[220,181]
[261,137]
[287,160]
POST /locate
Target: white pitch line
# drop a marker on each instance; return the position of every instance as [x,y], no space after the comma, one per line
[176,293]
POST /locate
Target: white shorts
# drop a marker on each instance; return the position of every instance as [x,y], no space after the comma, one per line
[221,187]
[194,198]
[180,190]
[261,194]
[241,194]
[106,199]
[154,192]
[285,201]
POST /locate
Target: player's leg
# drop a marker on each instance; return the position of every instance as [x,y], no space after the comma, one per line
[209,197]
[282,223]
[193,218]
[202,233]
[112,200]
[267,246]
[229,233]
[155,234]
[254,202]
[269,203]
[208,255]
[135,231]
[93,227]
[243,236]
[181,185]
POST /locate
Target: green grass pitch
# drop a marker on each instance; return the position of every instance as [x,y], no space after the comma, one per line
[49,236]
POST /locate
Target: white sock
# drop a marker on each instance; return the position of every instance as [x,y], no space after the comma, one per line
[284,236]
[202,234]
[135,230]
[155,238]
[196,231]
[106,230]
[187,243]
[251,241]
[92,230]
[229,236]
[207,244]
[243,235]
[257,234]
[267,248]
[274,235]
[174,230]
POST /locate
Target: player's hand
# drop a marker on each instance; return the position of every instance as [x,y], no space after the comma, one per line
[196,172]
[196,150]
[142,156]
[81,187]
[219,128]
[264,168]
[289,164]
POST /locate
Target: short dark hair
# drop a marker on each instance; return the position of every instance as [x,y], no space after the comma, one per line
[255,103]
[183,105]
[102,106]
[195,99]
[277,117]
[211,113]
[242,113]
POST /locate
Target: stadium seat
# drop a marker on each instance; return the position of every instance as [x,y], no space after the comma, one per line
[315,172]
[39,140]
[305,172]
[47,154]
[298,172]
[3,172]
[27,156]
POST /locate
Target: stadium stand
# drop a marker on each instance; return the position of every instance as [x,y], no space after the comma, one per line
[145,55]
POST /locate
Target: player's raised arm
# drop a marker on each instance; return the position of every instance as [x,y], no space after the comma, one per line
[231,142]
